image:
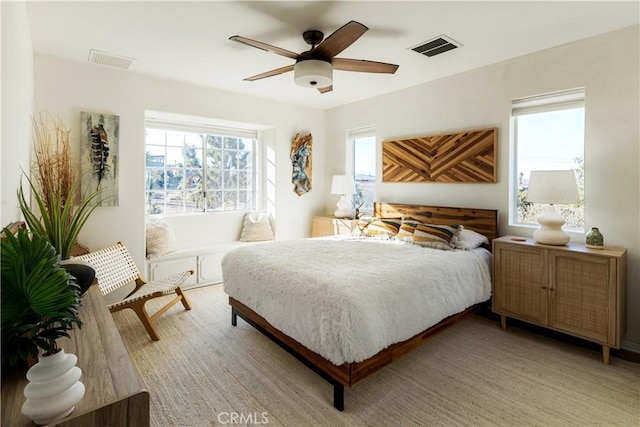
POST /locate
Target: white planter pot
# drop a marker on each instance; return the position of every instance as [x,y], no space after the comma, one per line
[54,388]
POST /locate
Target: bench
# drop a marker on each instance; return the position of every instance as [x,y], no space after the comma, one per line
[202,241]
[204,260]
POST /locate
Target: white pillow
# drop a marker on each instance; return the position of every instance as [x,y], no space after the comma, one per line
[257,227]
[469,239]
[160,239]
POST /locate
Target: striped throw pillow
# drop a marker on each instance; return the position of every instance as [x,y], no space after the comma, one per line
[407,228]
[378,227]
[435,236]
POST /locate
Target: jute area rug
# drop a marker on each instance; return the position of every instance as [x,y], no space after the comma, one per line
[204,372]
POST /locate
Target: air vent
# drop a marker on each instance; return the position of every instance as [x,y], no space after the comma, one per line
[436,46]
[109,59]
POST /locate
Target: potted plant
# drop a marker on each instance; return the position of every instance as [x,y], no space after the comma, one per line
[60,221]
[40,303]
[55,189]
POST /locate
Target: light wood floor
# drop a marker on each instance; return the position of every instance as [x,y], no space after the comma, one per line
[203,372]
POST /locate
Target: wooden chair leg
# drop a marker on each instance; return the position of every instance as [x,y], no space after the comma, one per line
[145,319]
[149,321]
[184,300]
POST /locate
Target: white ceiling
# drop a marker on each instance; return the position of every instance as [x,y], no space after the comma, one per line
[189,41]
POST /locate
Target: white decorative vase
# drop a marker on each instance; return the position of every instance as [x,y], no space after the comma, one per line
[54,388]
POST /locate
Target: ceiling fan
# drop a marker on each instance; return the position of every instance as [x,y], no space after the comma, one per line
[314,67]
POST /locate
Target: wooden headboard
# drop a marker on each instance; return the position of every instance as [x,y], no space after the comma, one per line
[483,221]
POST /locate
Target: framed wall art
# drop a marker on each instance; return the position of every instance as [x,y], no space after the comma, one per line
[464,157]
[301,162]
[99,155]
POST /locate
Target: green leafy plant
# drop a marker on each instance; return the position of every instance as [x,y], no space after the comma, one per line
[40,300]
[60,219]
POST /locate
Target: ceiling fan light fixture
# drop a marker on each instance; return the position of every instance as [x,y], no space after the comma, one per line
[313,73]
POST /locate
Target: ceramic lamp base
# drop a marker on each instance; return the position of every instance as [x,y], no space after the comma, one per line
[344,208]
[550,231]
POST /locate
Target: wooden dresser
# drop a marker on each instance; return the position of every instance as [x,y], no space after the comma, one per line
[322,226]
[571,289]
[114,396]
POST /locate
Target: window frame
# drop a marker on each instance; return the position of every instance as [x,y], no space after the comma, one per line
[545,103]
[204,131]
[352,136]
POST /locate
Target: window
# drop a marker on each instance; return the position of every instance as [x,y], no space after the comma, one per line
[199,169]
[363,143]
[548,135]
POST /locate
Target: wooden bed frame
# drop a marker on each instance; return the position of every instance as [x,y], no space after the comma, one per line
[484,221]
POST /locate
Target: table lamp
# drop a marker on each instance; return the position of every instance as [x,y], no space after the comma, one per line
[552,187]
[343,185]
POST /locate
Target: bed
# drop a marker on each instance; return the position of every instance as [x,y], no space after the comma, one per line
[348,307]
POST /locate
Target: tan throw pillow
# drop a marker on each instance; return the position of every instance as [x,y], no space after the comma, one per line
[378,227]
[407,229]
[435,236]
[257,227]
[160,239]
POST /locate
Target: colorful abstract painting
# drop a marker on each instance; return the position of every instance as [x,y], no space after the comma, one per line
[301,163]
[99,155]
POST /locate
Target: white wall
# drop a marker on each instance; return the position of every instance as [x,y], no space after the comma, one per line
[17,95]
[67,88]
[607,66]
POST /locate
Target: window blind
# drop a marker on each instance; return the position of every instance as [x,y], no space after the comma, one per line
[203,128]
[563,100]
[363,132]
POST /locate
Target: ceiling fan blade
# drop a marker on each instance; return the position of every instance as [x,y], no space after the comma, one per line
[339,40]
[325,89]
[270,73]
[363,66]
[264,46]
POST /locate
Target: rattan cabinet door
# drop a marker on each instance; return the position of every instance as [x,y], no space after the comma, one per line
[520,279]
[583,295]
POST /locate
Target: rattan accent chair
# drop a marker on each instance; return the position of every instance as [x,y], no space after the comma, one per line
[115,268]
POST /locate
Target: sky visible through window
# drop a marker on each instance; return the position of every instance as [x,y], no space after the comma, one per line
[550,140]
[365,156]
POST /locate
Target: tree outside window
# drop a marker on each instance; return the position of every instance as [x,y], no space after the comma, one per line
[198,172]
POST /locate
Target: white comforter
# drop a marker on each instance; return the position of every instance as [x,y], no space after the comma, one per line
[348,299]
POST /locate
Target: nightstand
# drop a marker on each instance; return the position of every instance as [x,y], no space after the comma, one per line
[570,289]
[322,226]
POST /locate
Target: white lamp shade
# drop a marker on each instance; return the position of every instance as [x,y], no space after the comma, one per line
[313,73]
[553,187]
[343,184]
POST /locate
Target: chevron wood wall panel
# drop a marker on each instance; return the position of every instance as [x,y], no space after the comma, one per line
[467,156]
